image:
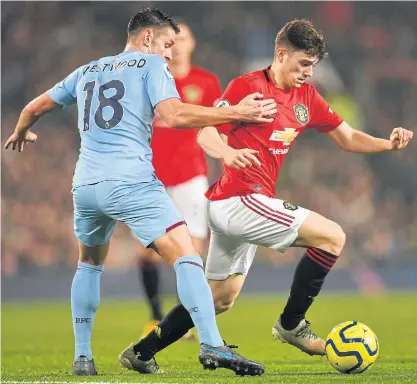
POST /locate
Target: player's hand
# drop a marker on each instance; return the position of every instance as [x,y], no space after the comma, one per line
[255,110]
[20,140]
[252,99]
[399,138]
[241,158]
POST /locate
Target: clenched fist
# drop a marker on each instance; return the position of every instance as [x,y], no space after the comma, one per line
[399,138]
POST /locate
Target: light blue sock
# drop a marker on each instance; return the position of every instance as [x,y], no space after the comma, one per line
[85,298]
[195,295]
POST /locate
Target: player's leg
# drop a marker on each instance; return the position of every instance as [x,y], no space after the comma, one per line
[229,258]
[162,227]
[324,240]
[276,224]
[228,262]
[225,292]
[177,249]
[189,198]
[93,231]
[148,266]
[178,321]
[154,219]
[149,270]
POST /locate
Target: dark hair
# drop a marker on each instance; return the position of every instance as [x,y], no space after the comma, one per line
[301,35]
[150,17]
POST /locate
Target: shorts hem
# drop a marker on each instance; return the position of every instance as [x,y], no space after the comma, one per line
[173,226]
[146,244]
[170,228]
[223,276]
[89,245]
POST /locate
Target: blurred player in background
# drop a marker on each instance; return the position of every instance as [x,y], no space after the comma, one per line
[114,179]
[180,164]
[242,210]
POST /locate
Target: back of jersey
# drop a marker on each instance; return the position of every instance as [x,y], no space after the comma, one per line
[116,97]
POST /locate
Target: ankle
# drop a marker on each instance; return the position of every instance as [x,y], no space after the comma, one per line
[144,354]
[290,322]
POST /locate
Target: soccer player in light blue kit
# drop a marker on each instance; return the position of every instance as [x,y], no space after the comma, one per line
[114,179]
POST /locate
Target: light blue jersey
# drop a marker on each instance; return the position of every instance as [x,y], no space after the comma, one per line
[116,97]
[114,179]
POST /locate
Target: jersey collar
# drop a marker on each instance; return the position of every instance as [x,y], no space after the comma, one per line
[266,74]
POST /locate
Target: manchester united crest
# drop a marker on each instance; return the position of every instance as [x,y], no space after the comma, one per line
[289,206]
[301,113]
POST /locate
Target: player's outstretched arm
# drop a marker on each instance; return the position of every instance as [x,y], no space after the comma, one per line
[29,116]
[352,140]
[182,115]
[212,143]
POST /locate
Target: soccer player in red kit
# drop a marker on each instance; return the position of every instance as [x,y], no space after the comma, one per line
[242,211]
[180,164]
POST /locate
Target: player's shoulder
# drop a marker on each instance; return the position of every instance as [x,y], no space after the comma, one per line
[254,75]
[251,78]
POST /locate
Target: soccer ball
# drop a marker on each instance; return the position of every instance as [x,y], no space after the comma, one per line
[351,347]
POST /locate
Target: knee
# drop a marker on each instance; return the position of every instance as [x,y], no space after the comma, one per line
[223,305]
[337,239]
[95,255]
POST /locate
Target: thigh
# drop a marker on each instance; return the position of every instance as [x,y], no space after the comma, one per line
[145,207]
[266,221]
[228,255]
[174,244]
[189,198]
[319,232]
[91,226]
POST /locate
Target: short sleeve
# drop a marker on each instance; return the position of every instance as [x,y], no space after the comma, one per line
[159,82]
[235,91]
[323,120]
[65,92]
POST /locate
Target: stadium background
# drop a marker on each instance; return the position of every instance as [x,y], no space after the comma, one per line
[370,78]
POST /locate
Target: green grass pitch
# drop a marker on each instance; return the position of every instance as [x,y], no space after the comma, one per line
[37,342]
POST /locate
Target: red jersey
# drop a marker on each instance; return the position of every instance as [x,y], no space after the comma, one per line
[298,109]
[177,157]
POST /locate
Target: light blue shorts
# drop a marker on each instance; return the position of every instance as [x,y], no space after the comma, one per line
[145,207]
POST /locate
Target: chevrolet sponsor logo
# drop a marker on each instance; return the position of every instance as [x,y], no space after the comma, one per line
[279,151]
[286,136]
